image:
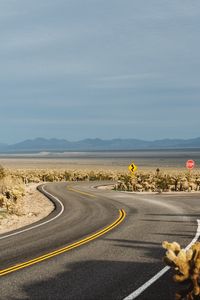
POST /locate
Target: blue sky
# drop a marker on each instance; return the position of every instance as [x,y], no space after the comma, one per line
[99,68]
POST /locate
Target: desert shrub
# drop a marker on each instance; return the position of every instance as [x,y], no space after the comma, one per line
[11,190]
[163,183]
[2,172]
[159,182]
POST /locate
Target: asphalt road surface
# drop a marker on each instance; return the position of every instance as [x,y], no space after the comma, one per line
[109,267]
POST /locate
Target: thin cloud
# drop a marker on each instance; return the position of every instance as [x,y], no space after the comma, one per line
[80,67]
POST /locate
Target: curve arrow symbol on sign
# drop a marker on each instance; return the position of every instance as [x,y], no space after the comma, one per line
[132,168]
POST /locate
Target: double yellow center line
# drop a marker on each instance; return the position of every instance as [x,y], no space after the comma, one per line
[36,260]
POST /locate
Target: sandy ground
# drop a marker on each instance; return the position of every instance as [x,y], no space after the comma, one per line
[32,207]
[85,165]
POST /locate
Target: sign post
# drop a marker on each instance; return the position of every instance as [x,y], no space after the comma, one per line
[190,164]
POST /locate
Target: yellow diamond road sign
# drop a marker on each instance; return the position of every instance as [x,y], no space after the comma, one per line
[132,168]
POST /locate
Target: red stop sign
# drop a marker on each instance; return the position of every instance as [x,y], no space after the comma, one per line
[190,164]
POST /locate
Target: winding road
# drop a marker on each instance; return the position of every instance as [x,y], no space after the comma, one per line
[97,244]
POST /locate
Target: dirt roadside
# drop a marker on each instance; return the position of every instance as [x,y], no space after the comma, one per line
[33,207]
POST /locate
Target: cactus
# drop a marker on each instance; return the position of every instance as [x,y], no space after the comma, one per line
[161,182]
[186,264]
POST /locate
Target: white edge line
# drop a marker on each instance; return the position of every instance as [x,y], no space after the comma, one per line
[41,224]
[143,287]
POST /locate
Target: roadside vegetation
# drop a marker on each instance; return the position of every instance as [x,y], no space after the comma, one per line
[13,181]
[11,190]
[159,182]
[50,175]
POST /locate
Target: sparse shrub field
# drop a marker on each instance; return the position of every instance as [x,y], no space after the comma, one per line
[159,182]
[13,181]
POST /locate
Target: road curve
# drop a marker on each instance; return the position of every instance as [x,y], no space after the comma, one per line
[110,267]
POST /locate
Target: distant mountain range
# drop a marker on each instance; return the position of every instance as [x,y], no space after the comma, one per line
[62,145]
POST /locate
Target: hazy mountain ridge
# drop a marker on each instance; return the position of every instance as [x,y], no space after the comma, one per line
[60,145]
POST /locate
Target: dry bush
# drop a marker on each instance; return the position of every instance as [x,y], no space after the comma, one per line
[11,190]
[2,172]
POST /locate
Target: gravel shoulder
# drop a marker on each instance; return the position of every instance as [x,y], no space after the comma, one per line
[33,207]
